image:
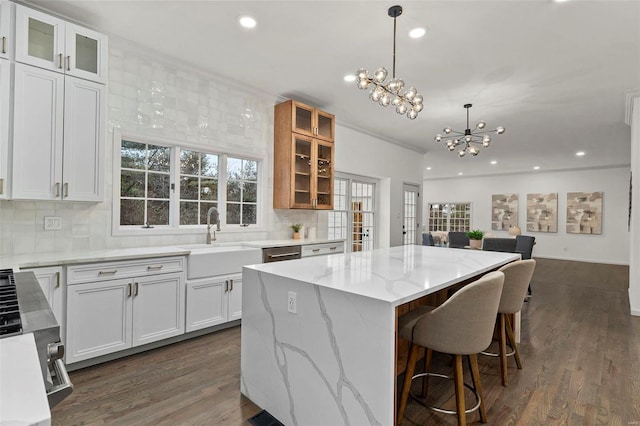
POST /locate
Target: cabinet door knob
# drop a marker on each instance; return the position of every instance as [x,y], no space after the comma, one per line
[4,45]
[57,279]
[60,60]
[57,189]
[231,283]
[226,286]
[137,288]
[129,290]
[1,186]
[66,189]
[68,63]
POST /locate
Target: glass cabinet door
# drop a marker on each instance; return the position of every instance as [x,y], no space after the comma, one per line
[303,119]
[86,53]
[302,172]
[325,125]
[324,176]
[39,39]
[5,27]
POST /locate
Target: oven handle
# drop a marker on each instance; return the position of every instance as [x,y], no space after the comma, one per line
[63,388]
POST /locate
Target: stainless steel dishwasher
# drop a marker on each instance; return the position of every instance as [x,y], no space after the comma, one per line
[278,254]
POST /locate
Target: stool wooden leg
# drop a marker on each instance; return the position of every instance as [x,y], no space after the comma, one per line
[503,349]
[427,368]
[475,375]
[458,378]
[514,345]
[406,386]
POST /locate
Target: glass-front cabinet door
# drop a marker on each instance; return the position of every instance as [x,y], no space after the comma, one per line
[302,172]
[6,41]
[324,176]
[325,125]
[303,119]
[50,43]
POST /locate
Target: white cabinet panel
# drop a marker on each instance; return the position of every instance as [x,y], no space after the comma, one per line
[235,298]
[6,34]
[99,319]
[52,282]
[84,128]
[51,43]
[158,311]
[37,134]
[5,105]
[206,303]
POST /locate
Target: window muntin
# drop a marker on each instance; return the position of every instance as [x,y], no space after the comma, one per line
[450,217]
[165,186]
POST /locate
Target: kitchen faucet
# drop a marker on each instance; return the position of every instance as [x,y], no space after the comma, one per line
[217,220]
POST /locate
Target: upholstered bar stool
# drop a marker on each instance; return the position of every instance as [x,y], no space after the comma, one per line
[463,325]
[517,276]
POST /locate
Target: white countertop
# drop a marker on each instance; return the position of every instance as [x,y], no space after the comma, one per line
[395,275]
[38,260]
[23,399]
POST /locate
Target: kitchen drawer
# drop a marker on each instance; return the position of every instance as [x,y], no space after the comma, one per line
[321,249]
[92,272]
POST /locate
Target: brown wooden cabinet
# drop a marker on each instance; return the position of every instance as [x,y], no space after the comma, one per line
[303,157]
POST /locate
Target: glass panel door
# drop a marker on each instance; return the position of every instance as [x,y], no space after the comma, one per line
[362,206]
[86,54]
[39,39]
[325,125]
[303,121]
[302,170]
[410,215]
[324,176]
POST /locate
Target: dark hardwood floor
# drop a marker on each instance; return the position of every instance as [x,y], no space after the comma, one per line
[580,349]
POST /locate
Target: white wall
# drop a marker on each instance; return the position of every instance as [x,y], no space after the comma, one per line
[366,155]
[610,247]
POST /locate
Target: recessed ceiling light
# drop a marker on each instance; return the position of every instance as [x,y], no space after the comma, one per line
[417,32]
[349,78]
[580,153]
[460,173]
[494,162]
[536,168]
[247,22]
[428,168]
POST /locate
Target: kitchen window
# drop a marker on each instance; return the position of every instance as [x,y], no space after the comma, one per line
[169,187]
[450,217]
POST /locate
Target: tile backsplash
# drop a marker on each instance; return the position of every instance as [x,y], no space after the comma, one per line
[151,97]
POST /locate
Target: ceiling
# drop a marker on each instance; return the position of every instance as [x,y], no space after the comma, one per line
[553,73]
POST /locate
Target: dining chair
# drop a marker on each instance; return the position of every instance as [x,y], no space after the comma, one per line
[458,239]
[506,245]
[463,325]
[517,276]
[524,246]
[427,239]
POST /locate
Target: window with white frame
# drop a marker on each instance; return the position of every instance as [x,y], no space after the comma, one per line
[163,185]
[353,215]
[449,216]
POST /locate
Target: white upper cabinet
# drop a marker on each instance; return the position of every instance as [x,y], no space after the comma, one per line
[58,136]
[51,43]
[5,102]
[6,39]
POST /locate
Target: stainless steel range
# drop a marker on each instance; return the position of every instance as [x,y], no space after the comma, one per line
[24,309]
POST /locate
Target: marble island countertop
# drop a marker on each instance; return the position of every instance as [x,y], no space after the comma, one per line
[37,260]
[395,275]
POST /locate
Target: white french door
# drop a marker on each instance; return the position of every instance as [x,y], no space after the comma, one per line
[410,214]
[353,215]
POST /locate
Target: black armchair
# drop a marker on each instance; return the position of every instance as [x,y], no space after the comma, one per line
[506,245]
[427,239]
[458,239]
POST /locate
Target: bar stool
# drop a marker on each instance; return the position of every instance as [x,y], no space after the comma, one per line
[463,325]
[517,276]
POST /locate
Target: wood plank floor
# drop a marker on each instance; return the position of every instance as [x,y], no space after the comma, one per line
[580,349]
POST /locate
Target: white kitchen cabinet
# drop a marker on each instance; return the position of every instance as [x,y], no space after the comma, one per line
[5,105]
[131,303]
[58,136]
[214,300]
[6,38]
[52,282]
[53,44]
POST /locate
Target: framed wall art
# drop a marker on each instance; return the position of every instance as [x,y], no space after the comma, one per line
[504,211]
[584,213]
[542,212]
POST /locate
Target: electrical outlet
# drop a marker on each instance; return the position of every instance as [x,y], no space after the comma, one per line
[292,303]
[52,223]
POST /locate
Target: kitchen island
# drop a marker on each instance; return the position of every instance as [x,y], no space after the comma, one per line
[333,360]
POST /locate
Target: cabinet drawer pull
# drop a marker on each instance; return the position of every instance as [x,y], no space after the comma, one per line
[57,189]
[68,63]
[333,248]
[274,256]
[108,272]
[57,279]
[315,250]
[60,60]
[231,282]
[4,45]
[66,189]
[137,287]
[154,267]
[129,290]
[226,286]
